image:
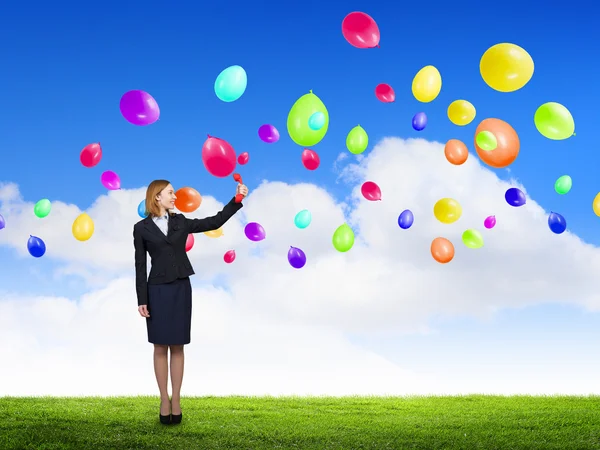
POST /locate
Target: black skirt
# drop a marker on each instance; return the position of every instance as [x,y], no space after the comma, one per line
[170,308]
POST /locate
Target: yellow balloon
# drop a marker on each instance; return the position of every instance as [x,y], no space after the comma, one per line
[447,210]
[461,112]
[596,204]
[427,84]
[83,227]
[506,67]
[214,233]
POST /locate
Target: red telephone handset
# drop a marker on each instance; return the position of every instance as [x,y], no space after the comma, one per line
[238,197]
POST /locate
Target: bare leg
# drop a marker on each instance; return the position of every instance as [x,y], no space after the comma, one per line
[177,360]
[161,370]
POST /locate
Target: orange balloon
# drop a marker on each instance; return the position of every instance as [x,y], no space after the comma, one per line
[456,152]
[442,250]
[188,199]
[508,146]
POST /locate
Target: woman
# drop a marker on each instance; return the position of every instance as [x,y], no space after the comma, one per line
[165,297]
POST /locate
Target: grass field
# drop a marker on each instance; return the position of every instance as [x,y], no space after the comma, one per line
[459,422]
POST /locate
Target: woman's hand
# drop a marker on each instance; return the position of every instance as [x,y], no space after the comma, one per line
[242,190]
[143,309]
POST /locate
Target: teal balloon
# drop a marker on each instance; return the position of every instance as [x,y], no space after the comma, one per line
[316,121]
[231,84]
[303,219]
[142,209]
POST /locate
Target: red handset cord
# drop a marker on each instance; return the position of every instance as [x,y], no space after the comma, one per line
[238,197]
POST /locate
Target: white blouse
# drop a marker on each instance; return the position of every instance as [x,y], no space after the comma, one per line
[162,222]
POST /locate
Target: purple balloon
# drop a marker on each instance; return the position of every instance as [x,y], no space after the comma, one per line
[2,222]
[110,180]
[255,232]
[139,108]
[515,197]
[268,133]
[419,121]
[296,258]
[489,222]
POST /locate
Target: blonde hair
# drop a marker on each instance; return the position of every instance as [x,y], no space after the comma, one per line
[154,188]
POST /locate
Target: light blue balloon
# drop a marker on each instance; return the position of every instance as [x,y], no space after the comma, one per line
[316,121]
[142,209]
[303,219]
[231,83]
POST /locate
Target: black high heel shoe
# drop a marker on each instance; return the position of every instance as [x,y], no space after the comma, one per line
[176,418]
[165,420]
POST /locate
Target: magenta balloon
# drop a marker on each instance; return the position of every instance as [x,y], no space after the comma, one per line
[110,180]
[489,222]
[255,232]
[268,133]
[370,191]
[139,108]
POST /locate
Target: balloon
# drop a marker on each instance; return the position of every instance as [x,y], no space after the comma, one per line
[189,242]
[406,219]
[442,250]
[2,222]
[142,209]
[596,204]
[506,67]
[360,30]
[427,84]
[188,199]
[229,256]
[110,180]
[472,239]
[486,141]
[268,133]
[214,233]
[36,246]
[91,155]
[310,159]
[357,140]
[218,157]
[385,93]
[563,184]
[489,222]
[297,121]
[508,144]
[42,208]
[554,121]
[370,191]
[296,258]
[303,219]
[419,121]
[557,223]
[461,112]
[255,232]
[83,227]
[456,152]
[316,121]
[515,197]
[343,238]
[243,158]
[139,108]
[447,210]
[231,83]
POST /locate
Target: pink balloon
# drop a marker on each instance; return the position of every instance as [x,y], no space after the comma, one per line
[360,30]
[91,155]
[189,242]
[489,222]
[385,93]
[310,159]
[243,158]
[110,180]
[229,256]
[370,191]
[218,157]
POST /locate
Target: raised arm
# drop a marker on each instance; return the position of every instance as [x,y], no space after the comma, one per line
[141,271]
[215,222]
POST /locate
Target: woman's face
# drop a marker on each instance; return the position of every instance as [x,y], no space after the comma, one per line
[166,198]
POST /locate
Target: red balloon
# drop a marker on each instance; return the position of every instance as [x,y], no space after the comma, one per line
[91,155]
[189,242]
[229,256]
[218,157]
[360,30]
[310,159]
[385,93]
[370,191]
[243,158]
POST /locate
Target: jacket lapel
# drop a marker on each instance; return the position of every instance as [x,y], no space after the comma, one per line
[153,228]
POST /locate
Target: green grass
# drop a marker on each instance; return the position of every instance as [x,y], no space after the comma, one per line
[459,422]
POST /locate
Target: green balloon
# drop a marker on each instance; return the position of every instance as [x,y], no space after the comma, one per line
[343,238]
[42,208]
[472,239]
[298,120]
[303,219]
[357,140]
[563,184]
[486,141]
[554,121]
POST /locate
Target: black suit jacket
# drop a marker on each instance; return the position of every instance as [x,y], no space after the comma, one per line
[167,253]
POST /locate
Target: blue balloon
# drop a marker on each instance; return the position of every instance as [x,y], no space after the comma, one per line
[142,209]
[36,246]
[419,121]
[557,223]
[316,121]
[231,83]
[406,219]
[515,197]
